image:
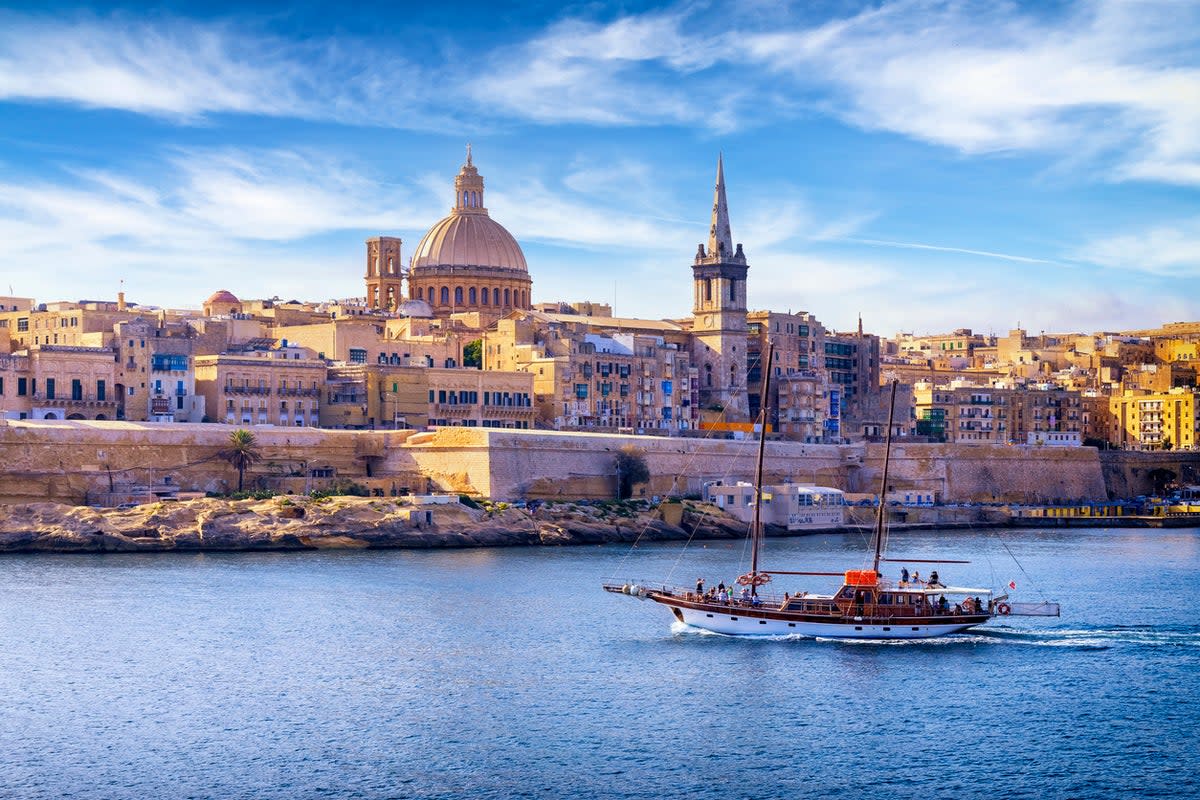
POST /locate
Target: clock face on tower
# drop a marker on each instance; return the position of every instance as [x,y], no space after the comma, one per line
[709,321]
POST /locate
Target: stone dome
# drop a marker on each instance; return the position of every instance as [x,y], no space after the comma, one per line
[468,262]
[469,240]
[222,296]
[417,309]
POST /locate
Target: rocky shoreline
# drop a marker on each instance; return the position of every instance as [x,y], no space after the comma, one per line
[302,523]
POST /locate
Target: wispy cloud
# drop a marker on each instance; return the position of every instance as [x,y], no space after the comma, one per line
[185,70]
[1169,250]
[1115,79]
[621,73]
[983,77]
[243,219]
[942,249]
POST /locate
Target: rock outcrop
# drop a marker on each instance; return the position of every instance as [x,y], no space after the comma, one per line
[301,523]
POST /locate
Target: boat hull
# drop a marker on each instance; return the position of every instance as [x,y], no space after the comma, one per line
[743,621]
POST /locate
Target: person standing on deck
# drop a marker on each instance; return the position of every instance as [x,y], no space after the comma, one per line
[904,577]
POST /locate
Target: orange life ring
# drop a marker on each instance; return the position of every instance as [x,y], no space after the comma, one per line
[753,579]
[1004,609]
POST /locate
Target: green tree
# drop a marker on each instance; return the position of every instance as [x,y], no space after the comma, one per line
[242,452]
[473,354]
[631,469]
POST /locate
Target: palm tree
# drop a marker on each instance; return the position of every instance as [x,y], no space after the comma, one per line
[243,452]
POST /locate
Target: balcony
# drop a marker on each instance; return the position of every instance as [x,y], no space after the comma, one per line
[83,401]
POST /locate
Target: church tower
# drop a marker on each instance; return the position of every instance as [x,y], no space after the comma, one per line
[384,273]
[719,331]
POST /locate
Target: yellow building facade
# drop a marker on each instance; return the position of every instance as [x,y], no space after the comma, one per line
[1162,421]
[269,387]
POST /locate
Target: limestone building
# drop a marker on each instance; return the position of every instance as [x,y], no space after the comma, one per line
[1160,421]
[382,396]
[600,373]
[467,262]
[719,328]
[385,273]
[266,387]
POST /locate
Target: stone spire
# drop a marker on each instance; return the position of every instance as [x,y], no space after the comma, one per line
[468,189]
[720,240]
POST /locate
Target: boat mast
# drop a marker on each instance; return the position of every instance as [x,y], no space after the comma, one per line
[763,406]
[887,460]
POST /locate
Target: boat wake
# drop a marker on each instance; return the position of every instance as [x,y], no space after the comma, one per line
[1087,638]
[1099,637]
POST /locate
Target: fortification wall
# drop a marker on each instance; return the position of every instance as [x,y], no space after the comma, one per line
[72,461]
[989,473]
[533,464]
[514,464]
[1130,473]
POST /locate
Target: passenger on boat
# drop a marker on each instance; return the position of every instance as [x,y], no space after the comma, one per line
[700,586]
[904,577]
[933,581]
[916,578]
[721,586]
[783,605]
[943,604]
[978,605]
[745,594]
[723,596]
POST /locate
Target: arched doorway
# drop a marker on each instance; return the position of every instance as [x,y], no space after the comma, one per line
[76,416]
[50,415]
[101,417]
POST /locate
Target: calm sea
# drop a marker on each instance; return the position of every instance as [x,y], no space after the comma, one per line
[509,673]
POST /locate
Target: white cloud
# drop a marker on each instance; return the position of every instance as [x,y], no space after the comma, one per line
[244,220]
[1106,78]
[531,210]
[1169,250]
[944,249]
[622,73]
[185,70]
[980,77]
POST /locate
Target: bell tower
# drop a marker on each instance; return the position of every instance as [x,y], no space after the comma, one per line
[719,331]
[384,273]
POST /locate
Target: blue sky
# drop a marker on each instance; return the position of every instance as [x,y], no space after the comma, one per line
[930,165]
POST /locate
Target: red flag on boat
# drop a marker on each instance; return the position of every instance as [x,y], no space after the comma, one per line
[1012,584]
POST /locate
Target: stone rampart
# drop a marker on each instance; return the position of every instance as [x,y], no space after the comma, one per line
[1130,473]
[70,461]
[73,461]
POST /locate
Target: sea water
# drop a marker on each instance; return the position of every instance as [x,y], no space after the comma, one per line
[507,673]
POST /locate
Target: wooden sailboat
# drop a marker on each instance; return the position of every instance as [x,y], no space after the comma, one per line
[865,606]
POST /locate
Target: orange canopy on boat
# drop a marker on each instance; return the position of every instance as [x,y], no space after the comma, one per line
[861,577]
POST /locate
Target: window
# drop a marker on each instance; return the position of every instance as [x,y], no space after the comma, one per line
[164,362]
[358,355]
[22,387]
[49,388]
[458,296]
[581,391]
[76,389]
[472,296]
[23,324]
